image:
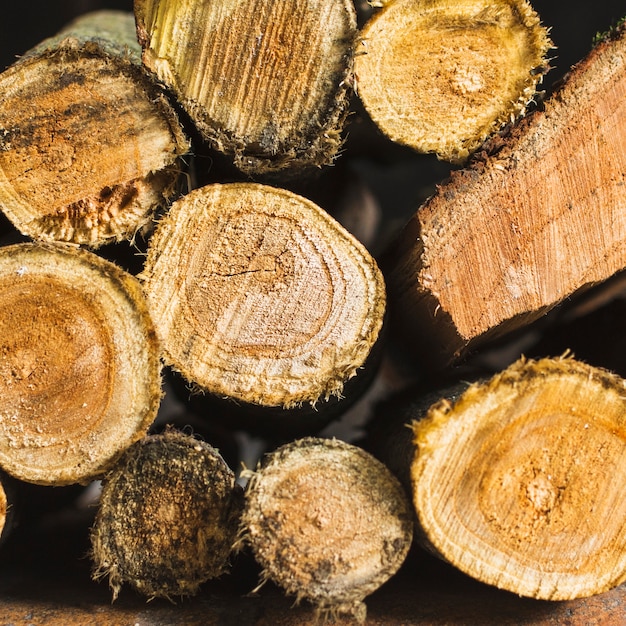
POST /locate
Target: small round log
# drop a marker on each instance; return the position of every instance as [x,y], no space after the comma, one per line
[79,363]
[168,517]
[327,522]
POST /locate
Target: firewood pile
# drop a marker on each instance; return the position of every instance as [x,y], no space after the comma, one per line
[310,295]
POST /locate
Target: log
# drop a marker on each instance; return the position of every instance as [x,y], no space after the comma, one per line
[519,482]
[442,76]
[260,296]
[167,518]
[79,363]
[538,217]
[327,523]
[89,145]
[267,82]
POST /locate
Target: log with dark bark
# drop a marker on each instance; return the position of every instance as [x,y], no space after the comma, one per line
[167,517]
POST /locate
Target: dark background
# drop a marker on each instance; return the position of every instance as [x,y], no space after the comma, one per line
[573,24]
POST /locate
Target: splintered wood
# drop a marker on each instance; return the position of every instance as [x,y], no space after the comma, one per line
[541,217]
[88,142]
[520,481]
[327,522]
[442,75]
[79,367]
[258,295]
[267,81]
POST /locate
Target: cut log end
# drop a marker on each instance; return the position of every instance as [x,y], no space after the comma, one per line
[168,517]
[276,95]
[520,482]
[89,146]
[327,522]
[79,366]
[260,296]
[441,76]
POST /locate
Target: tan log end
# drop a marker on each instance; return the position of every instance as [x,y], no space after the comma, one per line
[260,296]
[79,363]
[168,517]
[327,522]
[441,76]
[89,145]
[266,82]
[520,482]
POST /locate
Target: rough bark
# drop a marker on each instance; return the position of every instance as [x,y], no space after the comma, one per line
[537,219]
[89,145]
[327,522]
[168,517]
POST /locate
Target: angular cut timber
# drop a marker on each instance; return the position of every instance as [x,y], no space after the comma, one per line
[79,364]
[89,145]
[259,295]
[442,75]
[327,522]
[267,81]
[167,517]
[539,218]
[520,481]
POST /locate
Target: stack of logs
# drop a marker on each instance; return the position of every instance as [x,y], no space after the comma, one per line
[263,313]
